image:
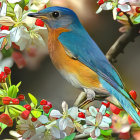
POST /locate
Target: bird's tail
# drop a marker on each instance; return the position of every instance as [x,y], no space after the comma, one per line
[127,103]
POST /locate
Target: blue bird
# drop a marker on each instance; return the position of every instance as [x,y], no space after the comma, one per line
[78,58]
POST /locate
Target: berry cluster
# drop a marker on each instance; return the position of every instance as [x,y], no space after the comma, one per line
[3,75]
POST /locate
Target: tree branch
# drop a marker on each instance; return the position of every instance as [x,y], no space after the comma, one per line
[122,41]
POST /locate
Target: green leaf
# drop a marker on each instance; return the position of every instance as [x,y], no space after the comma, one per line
[34,10]
[106,132]
[18,107]
[14,112]
[23,3]
[12,91]
[33,99]
[2,109]
[18,84]
[137,19]
[70,137]
[2,125]
[36,113]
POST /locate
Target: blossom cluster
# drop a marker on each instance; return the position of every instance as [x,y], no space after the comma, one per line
[37,120]
[19,32]
[120,10]
[40,120]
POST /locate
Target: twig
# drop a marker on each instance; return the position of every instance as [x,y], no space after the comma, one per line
[121,43]
[81,136]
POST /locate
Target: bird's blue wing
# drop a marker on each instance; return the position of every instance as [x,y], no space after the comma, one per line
[85,50]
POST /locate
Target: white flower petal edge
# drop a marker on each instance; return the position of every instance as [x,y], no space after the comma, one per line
[43,119]
[93,111]
[124,8]
[55,113]
[3,9]
[106,119]
[13,1]
[73,112]
[18,11]
[97,132]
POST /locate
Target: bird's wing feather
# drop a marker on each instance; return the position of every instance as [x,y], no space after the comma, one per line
[86,51]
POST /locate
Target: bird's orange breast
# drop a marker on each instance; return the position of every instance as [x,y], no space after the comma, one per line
[63,62]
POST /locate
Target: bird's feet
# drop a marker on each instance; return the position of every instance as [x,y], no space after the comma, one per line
[89,98]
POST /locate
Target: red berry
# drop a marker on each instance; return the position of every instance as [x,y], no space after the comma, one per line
[28,107]
[3,77]
[15,46]
[6,119]
[21,97]
[115,109]
[133,94]
[26,8]
[4,27]
[15,101]
[39,22]
[81,115]
[100,2]
[49,104]
[118,9]
[25,114]
[33,119]
[107,115]
[106,104]
[43,102]
[121,14]
[46,108]
[7,70]
[138,9]
[124,135]
[6,100]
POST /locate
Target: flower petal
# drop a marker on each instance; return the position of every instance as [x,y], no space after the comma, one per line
[7,21]
[13,1]
[55,113]
[97,132]
[106,120]
[114,13]
[3,9]
[63,124]
[99,10]
[107,6]
[103,124]
[93,111]
[43,119]
[18,11]
[40,129]
[73,112]
[124,8]
[102,109]
[88,129]
[99,118]
[90,120]
[64,106]
[55,132]
[123,1]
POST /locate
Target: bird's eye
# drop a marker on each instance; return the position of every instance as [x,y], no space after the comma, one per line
[55,14]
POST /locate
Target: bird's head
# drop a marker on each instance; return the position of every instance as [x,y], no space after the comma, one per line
[56,17]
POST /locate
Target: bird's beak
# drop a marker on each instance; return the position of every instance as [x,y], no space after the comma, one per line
[38,15]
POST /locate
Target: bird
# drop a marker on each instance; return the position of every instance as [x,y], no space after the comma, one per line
[79,59]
